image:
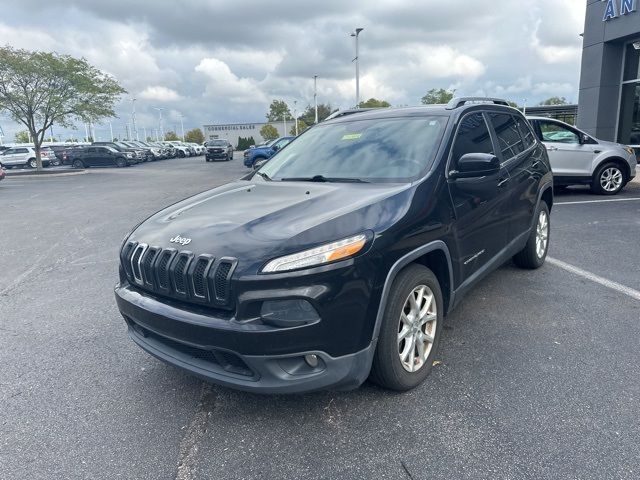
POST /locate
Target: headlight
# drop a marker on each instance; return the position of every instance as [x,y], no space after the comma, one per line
[128,155]
[630,150]
[317,256]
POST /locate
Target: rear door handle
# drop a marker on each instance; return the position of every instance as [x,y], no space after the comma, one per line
[502,181]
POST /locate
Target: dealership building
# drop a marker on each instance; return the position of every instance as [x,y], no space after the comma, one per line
[233,131]
[609,101]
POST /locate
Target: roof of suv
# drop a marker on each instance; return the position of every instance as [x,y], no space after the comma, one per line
[455,105]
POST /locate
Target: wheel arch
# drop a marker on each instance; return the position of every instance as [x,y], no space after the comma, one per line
[618,161]
[435,256]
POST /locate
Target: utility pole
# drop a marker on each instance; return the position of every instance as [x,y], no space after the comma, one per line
[160,121]
[357,60]
[182,126]
[315,95]
[133,118]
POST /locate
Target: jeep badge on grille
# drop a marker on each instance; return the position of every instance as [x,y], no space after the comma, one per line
[181,240]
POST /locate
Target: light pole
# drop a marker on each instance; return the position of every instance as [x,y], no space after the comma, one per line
[182,126]
[357,60]
[86,133]
[315,95]
[295,115]
[524,108]
[160,121]
[111,131]
[144,129]
[133,118]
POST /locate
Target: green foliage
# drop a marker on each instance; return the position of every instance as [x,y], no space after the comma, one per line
[269,132]
[39,89]
[437,96]
[554,101]
[309,115]
[513,104]
[245,142]
[171,136]
[302,126]
[374,103]
[22,137]
[149,139]
[277,111]
[194,136]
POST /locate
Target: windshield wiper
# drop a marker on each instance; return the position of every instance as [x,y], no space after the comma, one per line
[322,178]
[264,175]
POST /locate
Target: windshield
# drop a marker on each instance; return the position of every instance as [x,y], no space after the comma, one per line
[375,150]
[216,143]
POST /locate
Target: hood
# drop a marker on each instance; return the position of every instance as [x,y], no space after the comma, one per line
[253,221]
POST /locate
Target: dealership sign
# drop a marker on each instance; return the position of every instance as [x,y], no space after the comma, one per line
[612,10]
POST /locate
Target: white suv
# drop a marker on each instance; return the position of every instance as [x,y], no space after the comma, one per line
[25,156]
[579,159]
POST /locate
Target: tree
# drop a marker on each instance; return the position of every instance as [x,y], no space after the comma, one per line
[277,111]
[194,136]
[302,126]
[309,115]
[554,101]
[23,137]
[437,96]
[171,136]
[374,103]
[39,89]
[512,104]
[269,132]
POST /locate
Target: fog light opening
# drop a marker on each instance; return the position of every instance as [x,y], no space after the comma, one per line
[312,360]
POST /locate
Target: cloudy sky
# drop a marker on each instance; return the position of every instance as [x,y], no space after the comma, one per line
[219,61]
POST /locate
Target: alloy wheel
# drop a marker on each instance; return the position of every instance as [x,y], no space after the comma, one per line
[417,328]
[611,179]
[542,234]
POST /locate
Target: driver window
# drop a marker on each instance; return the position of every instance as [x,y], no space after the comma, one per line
[472,137]
[554,132]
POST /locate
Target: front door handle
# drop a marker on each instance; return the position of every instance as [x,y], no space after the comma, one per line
[502,181]
[552,149]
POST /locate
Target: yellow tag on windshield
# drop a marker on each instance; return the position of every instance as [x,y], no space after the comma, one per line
[352,136]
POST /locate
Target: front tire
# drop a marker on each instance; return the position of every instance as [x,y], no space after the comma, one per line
[78,164]
[534,253]
[608,180]
[121,162]
[410,330]
[32,163]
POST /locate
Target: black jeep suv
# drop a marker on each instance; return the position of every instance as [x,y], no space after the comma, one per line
[338,259]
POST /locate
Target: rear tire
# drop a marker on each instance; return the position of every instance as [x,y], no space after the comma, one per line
[32,163]
[534,253]
[609,179]
[410,330]
[78,164]
[121,162]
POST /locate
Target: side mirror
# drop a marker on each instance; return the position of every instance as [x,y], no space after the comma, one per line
[584,138]
[275,148]
[476,165]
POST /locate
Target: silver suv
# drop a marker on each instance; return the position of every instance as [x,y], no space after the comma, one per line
[579,159]
[25,156]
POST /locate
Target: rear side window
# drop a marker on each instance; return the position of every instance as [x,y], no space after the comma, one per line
[525,131]
[509,139]
[472,137]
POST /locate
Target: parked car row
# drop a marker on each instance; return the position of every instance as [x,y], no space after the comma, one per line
[26,157]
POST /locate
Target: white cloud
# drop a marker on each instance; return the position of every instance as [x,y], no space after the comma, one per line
[223,83]
[160,94]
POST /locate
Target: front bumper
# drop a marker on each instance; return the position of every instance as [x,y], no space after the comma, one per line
[212,348]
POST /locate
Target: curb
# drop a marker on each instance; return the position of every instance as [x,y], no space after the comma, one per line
[24,175]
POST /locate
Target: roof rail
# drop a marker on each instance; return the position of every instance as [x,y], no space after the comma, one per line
[349,111]
[460,101]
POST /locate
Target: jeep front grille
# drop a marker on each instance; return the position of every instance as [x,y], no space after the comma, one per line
[177,274]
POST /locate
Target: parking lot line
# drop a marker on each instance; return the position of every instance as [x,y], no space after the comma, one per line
[599,201]
[630,292]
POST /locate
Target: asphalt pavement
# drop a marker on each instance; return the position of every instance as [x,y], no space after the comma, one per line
[538,376]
